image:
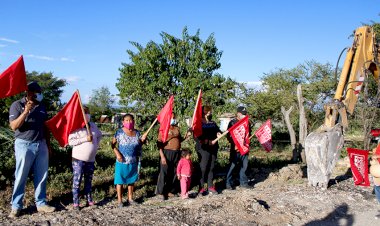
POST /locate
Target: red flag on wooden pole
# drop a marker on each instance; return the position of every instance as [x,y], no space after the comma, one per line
[196,123]
[164,118]
[240,135]
[359,166]
[67,120]
[13,79]
[264,135]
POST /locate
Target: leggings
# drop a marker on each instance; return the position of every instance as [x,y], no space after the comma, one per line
[82,168]
[207,163]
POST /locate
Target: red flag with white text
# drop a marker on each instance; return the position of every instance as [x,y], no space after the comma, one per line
[197,117]
[359,166]
[240,135]
[264,135]
[13,79]
[164,118]
[67,120]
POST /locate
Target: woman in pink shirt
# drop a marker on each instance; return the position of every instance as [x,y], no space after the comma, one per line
[184,171]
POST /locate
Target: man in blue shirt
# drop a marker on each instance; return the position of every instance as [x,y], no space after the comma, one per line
[27,118]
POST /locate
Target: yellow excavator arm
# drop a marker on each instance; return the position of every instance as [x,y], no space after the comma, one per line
[362,56]
[322,147]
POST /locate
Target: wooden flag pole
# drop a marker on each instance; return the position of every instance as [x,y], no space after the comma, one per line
[251,136]
[223,134]
[196,107]
[84,115]
[151,126]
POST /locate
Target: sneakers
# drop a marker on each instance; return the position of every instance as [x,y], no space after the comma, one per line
[212,190]
[132,202]
[75,206]
[45,209]
[229,187]
[120,205]
[14,213]
[91,203]
[202,191]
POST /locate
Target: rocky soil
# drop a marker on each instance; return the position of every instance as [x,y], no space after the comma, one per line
[280,198]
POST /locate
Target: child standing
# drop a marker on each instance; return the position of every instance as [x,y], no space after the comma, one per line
[85,147]
[184,171]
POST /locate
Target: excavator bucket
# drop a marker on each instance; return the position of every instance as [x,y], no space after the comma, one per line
[322,150]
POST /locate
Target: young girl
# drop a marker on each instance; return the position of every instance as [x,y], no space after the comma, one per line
[184,171]
[126,145]
[85,147]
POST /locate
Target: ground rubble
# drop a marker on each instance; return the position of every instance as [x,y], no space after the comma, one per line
[283,198]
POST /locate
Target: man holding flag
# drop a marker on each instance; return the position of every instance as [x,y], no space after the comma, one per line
[238,160]
[27,117]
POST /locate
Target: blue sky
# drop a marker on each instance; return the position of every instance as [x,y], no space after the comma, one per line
[85,42]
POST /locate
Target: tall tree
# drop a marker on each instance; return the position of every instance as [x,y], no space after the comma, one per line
[101,101]
[179,66]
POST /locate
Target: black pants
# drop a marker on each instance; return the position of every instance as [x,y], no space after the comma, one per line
[167,179]
[207,163]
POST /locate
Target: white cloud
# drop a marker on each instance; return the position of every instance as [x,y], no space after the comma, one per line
[64,59]
[72,79]
[1,45]
[8,40]
[40,57]
[253,84]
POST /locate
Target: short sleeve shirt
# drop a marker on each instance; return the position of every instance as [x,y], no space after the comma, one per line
[33,127]
[129,146]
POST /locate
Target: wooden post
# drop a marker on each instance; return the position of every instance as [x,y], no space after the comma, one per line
[84,115]
[302,124]
[292,134]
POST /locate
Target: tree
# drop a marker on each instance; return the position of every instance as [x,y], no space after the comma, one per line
[176,66]
[101,102]
[280,89]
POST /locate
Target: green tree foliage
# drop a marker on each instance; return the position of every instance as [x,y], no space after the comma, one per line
[101,102]
[179,66]
[280,87]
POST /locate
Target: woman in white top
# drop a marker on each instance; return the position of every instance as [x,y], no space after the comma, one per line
[84,150]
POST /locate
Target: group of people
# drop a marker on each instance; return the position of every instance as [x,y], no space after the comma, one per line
[27,118]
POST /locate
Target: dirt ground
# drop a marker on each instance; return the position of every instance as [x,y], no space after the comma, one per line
[276,198]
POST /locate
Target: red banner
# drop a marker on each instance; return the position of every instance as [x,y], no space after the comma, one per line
[240,135]
[69,119]
[197,117]
[264,135]
[13,79]
[359,166]
[164,118]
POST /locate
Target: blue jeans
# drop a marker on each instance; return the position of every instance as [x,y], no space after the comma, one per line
[236,159]
[29,155]
[377,192]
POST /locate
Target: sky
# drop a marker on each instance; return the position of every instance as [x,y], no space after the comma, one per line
[85,42]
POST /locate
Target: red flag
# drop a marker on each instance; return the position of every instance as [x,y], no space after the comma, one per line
[164,118]
[240,135]
[13,79]
[67,120]
[264,135]
[197,116]
[359,166]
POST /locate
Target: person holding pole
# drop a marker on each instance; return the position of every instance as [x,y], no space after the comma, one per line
[170,154]
[207,151]
[26,118]
[237,160]
[85,144]
[126,145]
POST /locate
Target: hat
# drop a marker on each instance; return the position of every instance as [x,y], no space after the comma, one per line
[34,87]
[242,110]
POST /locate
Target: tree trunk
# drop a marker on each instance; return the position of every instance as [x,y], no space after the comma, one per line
[302,124]
[292,134]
